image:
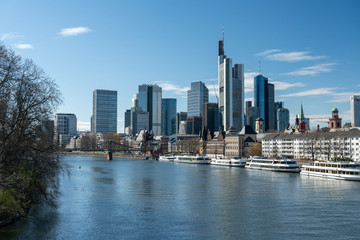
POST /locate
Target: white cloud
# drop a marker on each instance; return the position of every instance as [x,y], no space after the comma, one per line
[313,70]
[249,81]
[11,35]
[312,92]
[168,86]
[277,55]
[267,52]
[286,85]
[74,31]
[343,96]
[24,46]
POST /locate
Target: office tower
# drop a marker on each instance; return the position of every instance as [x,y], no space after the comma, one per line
[193,125]
[248,105]
[210,119]
[253,115]
[264,101]
[104,111]
[180,116]
[355,110]
[277,105]
[127,119]
[283,118]
[196,97]
[168,121]
[139,121]
[65,127]
[182,127]
[149,100]
[231,91]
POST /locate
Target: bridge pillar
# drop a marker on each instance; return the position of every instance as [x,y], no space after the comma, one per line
[109,155]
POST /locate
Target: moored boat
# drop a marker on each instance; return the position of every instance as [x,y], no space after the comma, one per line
[228,162]
[167,158]
[335,170]
[276,165]
[192,159]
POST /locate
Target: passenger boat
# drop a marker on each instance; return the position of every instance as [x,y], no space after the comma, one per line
[276,165]
[192,159]
[335,170]
[167,158]
[228,162]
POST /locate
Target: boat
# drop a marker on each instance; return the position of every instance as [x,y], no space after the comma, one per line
[167,158]
[276,165]
[335,170]
[192,159]
[234,162]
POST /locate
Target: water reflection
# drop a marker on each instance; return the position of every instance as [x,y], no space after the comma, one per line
[137,199]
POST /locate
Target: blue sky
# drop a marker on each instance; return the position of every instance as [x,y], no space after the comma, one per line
[308,49]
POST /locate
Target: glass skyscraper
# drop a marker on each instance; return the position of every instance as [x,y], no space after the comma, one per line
[149,100]
[283,118]
[104,118]
[196,97]
[168,122]
[264,97]
[355,110]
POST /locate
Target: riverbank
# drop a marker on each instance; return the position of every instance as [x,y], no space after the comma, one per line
[102,154]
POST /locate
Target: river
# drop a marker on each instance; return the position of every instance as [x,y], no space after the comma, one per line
[144,199]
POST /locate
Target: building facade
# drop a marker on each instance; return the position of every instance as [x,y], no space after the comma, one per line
[283,118]
[210,119]
[168,122]
[104,118]
[65,127]
[149,100]
[355,110]
[180,116]
[196,97]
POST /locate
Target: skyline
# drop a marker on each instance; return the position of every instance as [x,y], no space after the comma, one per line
[311,57]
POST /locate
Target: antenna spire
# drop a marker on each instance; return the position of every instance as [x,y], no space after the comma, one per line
[259,67]
[223,33]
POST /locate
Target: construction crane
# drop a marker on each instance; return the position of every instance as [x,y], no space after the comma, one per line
[215,92]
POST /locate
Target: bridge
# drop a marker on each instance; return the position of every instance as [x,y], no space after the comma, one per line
[109,147]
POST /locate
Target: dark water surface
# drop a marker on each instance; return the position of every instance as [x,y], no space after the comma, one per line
[139,199]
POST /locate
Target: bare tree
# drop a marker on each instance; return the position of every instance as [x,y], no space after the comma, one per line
[29,163]
[255,150]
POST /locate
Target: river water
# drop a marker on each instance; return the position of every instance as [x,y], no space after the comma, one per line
[142,199]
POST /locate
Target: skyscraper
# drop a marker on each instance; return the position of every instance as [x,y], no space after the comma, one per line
[127,122]
[277,105]
[149,99]
[355,110]
[168,122]
[104,118]
[283,118]
[264,101]
[231,91]
[210,119]
[196,97]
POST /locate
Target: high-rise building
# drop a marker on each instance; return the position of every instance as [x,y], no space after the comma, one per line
[210,119]
[104,111]
[277,105]
[231,91]
[168,122]
[149,99]
[180,117]
[355,110]
[193,125]
[65,127]
[139,121]
[127,119]
[283,118]
[264,97]
[196,97]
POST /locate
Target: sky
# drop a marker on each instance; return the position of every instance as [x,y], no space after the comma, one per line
[308,49]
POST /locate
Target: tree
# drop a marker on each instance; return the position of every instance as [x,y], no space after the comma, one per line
[29,160]
[255,150]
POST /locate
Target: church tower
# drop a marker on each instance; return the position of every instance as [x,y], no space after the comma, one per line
[335,121]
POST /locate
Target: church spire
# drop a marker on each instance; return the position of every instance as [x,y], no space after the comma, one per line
[302,113]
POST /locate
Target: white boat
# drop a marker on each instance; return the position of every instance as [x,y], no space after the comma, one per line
[276,165]
[228,162]
[167,158]
[335,170]
[192,159]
